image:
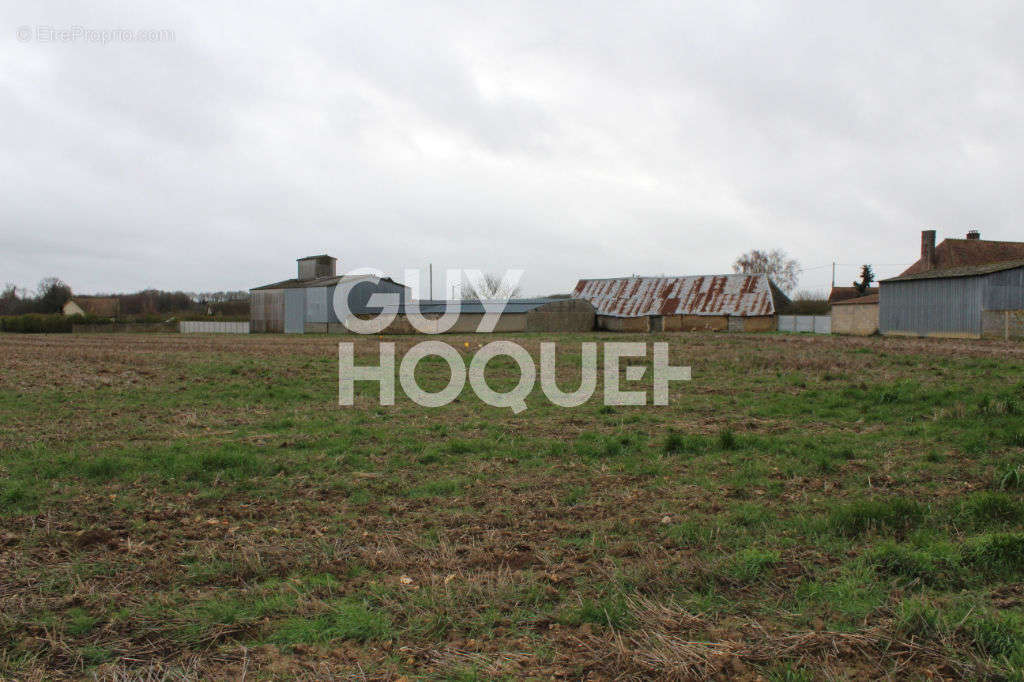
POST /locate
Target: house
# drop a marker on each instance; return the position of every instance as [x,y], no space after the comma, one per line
[972,301]
[856,316]
[735,302]
[95,306]
[306,303]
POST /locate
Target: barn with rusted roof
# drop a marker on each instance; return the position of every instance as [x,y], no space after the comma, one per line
[735,302]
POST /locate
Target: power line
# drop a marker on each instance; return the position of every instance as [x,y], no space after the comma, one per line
[876,265]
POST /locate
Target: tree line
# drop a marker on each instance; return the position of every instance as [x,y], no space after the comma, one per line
[52,293]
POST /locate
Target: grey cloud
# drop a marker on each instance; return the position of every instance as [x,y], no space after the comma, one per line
[571,140]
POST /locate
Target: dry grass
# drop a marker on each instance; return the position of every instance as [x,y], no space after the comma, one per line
[200,508]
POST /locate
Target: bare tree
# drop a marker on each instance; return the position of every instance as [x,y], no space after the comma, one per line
[489,286]
[779,267]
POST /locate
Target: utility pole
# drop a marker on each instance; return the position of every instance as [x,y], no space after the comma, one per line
[431,294]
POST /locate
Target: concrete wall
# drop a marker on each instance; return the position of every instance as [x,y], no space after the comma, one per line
[809,324]
[1002,324]
[855,319]
[209,327]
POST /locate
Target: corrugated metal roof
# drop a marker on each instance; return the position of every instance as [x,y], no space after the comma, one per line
[474,306]
[294,283]
[742,295]
[969,271]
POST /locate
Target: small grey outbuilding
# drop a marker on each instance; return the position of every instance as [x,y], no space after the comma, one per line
[966,302]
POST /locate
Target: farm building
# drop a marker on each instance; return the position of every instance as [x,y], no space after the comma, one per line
[856,316]
[518,315]
[98,306]
[735,302]
[306,303]
[964,302]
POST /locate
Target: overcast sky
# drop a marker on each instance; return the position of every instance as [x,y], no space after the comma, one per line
[579,139]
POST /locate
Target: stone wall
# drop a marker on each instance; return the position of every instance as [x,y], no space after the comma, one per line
[759,323]
[693,323]
[624,324]
[1002,324]
[855,319]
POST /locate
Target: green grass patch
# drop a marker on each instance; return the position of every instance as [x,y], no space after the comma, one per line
[346,620]
[862,516]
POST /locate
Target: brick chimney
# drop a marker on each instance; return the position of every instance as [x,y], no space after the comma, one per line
[974,234]
[928,248]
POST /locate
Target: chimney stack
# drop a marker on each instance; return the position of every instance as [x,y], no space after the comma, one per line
[974,234]
[928,248]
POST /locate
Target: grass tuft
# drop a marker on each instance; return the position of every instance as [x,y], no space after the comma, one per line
[999,635]
[677,443]
[856,518]
[18,496]
[727,439]
[996,554]
[989,508]
[939,566]
[1013,478]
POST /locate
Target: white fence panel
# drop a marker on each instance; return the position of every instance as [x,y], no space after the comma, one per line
[817,324]
[202,327]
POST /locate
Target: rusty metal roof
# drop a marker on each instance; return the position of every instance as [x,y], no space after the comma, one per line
[742,295]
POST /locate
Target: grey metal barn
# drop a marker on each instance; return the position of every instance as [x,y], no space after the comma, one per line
[306,303]
[966,302]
